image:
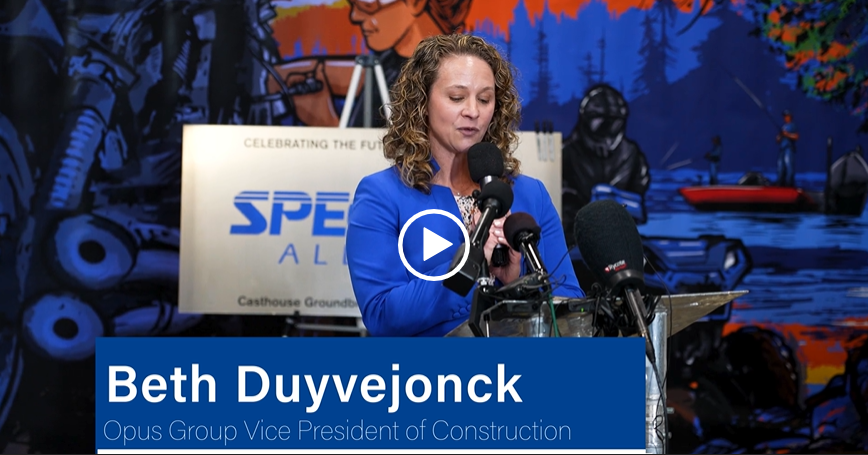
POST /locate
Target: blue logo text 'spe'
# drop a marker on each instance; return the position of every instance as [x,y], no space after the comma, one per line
[268,211]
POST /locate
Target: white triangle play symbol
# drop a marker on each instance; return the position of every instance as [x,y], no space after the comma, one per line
[432,244]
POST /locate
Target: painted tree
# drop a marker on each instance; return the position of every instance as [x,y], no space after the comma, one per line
[587,70]
[601,44]
[543,88]
[651,74]
[823,44]
[666,12]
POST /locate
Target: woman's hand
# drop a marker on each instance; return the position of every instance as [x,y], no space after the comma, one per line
[511,271]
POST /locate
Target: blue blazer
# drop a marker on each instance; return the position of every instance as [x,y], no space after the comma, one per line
[396,303]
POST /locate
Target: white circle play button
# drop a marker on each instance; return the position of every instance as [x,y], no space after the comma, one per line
[433,243]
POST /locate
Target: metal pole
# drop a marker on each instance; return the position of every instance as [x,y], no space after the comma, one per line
[351,94]
[656,429]
[384,90]
[369,90]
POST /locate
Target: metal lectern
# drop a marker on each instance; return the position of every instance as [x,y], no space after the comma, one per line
[574,317]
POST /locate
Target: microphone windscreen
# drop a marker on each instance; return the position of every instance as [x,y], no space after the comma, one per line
[484,159]
[500,191]
[609,240]
[518,223]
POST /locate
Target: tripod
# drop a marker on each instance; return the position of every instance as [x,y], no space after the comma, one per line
[368,62]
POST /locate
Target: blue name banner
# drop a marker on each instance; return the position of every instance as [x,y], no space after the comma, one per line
[339,394]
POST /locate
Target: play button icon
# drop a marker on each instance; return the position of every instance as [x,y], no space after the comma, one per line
[433,243]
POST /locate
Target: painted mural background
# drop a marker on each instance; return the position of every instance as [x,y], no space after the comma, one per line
[654,93]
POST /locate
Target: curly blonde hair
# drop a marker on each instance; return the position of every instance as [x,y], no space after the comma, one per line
[406,142]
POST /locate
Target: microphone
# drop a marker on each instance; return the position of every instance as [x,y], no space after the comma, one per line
[610,245]
[523,233]
[494,201]
[486,165]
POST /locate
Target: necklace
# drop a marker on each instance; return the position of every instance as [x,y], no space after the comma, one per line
[467,193]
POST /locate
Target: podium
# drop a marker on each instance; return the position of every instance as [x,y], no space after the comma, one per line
[575,318]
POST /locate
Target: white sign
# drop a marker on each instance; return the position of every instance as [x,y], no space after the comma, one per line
[264,214]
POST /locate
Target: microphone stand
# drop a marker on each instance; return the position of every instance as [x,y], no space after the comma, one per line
[637,307]
[483,300]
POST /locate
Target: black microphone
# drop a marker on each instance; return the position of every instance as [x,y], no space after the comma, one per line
[610,245]
[494,201]
[485,162]
[523,233]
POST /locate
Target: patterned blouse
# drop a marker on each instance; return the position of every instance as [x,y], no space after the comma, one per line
[467,207]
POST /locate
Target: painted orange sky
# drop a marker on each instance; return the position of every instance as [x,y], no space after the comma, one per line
[822,351]
[306,22]
[500,11]
[327,24]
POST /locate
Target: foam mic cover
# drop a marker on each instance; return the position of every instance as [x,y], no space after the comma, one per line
[522,232]
[520,225]
[484,159]
[499,191]
[610,244]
